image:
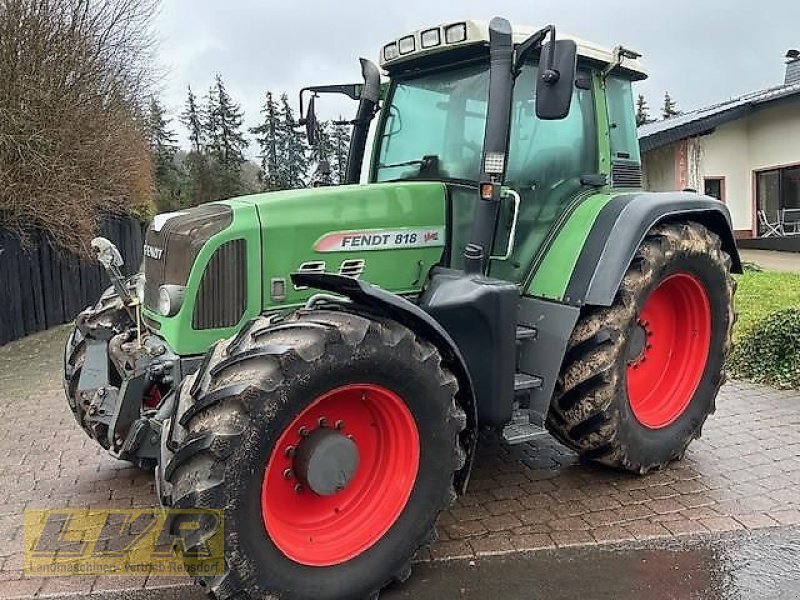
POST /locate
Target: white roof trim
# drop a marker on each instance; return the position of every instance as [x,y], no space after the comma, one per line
[478,32]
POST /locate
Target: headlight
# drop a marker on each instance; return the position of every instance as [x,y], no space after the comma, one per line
[390,51]
[454,34]
[406,45]
[431,38]
[170,299]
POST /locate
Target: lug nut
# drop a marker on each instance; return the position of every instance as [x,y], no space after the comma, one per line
[288,474]
[289,452]
[323,422]
[339,425]
[298,488]
[303,431]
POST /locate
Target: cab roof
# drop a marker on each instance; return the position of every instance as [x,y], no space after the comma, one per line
[476,33]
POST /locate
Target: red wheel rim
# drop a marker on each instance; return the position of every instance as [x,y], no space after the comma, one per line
[329,530]
[675,331]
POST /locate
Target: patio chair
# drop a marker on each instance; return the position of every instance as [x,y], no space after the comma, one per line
[790,221]
[769,229]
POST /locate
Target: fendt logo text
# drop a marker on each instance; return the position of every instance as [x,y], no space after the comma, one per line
[153,252]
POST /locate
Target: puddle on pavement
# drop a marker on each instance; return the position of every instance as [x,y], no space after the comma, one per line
[732,567]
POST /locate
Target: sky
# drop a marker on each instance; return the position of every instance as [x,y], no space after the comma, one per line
[701,51]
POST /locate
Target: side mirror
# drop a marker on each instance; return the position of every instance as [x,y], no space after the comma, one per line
[556,78]
[311,122]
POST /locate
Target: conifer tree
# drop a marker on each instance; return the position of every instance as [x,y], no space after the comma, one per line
[200,181]
[670,107]
[169,178]
[340,147]
[193,121]
[163,143]
[225,141]
[230,139]
[293,149]
[267,137]
[642,111]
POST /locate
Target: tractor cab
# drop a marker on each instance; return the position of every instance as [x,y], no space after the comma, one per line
[570,129]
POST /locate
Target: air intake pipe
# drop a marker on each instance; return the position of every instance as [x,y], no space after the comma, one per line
[367,107]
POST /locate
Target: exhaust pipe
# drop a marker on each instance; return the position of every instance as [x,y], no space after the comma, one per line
[367,107]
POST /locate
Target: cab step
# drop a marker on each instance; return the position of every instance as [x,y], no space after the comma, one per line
[526,333]
[520,430]
[523,381]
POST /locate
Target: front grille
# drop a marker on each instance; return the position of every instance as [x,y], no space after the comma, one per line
[222,297]
[626,175]
[172,246]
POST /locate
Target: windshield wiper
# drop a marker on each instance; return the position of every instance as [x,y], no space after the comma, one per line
[426,162]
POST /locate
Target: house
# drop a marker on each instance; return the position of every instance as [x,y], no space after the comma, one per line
[745,152]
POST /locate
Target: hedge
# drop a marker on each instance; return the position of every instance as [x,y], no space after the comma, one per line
[769,352]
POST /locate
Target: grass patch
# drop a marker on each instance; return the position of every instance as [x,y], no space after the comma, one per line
[761,293]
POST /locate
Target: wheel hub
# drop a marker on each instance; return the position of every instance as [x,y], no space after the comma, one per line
[637,343]
[326,461]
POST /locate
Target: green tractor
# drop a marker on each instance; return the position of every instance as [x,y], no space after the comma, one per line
[319,363]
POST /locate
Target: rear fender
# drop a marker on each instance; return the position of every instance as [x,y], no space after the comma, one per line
[412,316]
[622,225]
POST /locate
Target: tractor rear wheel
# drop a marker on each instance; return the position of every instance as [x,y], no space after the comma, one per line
[641,376]
[330,439]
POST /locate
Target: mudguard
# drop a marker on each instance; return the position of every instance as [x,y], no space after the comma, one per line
[412,316]
[622,225]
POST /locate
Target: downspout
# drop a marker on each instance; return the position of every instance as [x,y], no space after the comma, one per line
[367,107]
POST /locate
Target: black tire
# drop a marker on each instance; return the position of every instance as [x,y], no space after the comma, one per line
[251,388]
[591,412]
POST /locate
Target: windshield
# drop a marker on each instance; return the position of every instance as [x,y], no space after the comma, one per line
[434,127]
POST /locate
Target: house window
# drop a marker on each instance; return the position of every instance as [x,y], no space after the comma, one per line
[715,187]
[777,190]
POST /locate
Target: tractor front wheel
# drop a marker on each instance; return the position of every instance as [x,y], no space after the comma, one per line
[640,377]
[330,439]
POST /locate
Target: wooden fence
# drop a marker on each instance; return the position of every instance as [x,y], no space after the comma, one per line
[42,285]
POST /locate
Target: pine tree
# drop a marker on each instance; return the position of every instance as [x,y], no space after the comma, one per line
[200,180]
[211,129]
[231,142]
[340,146]
[670,108]
[293,149]
[170,179]
[162,139]
[323,151]
[193,121]
[267,134]
[642,111]
[225,142]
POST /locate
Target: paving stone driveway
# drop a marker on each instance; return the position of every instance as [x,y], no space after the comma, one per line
[743,474]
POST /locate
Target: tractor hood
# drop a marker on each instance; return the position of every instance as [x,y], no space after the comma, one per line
[232,260]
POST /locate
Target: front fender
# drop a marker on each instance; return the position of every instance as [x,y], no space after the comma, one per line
[412,316]
[622,225]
